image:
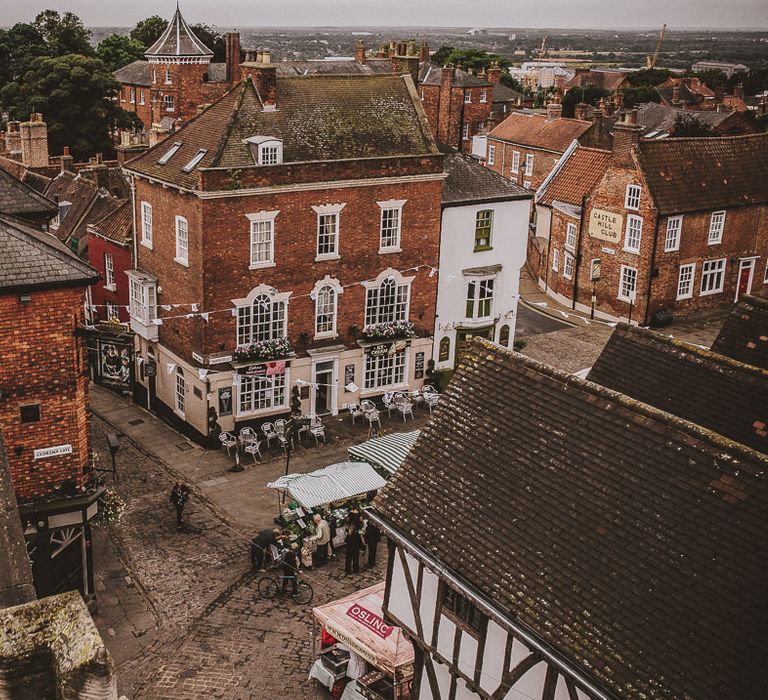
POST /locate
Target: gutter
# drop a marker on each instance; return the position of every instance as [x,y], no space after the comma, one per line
[528,636]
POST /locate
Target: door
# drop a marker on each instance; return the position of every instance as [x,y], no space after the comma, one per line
[746,268]
[465,334]
[324,387]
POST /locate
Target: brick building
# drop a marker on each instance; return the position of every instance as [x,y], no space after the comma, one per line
[44,403]
[299,208]
[663,227]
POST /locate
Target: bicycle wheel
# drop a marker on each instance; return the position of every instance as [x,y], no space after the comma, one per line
[268,587]
[304,593]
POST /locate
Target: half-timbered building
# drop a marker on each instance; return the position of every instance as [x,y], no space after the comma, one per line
[553,539]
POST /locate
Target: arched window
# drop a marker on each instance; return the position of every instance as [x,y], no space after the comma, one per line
[387,302]
[325,311]
[263,319]
[445,349]
[180,390]
[504,336]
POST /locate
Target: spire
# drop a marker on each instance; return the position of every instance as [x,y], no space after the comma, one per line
[178,42]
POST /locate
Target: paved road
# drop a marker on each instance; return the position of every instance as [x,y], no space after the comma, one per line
[530,322]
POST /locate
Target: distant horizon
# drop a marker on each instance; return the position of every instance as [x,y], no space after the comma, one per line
[436,27]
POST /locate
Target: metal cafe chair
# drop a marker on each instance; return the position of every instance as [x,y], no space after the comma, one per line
[371,413]
[228,440]
[254,448]
[269,432]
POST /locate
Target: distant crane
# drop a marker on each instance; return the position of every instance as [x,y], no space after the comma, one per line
[650,61]
[543,49]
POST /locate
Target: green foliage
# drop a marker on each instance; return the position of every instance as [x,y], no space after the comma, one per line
[63,34]
[634,96]
[148,31]
[510,82]
[440,57]
[19,46]
[476,59]
[590,94]
[440,379]
[75,94]
[212,39]
[117,51]
[689,125]
[648,77]
[754,83]
[713,79]
[519,344]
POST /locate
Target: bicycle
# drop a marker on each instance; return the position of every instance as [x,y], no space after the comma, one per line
[269,587]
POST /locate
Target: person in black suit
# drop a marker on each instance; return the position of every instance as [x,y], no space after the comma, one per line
[372,537]
[354,545]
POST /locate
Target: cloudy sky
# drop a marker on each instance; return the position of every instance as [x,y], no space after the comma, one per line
[719,14]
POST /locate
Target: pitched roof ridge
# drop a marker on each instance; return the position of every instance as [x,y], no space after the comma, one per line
[232,118]
[340,76]
[594,149]
[710,357]
[713,439]
[179,24]
[706,139]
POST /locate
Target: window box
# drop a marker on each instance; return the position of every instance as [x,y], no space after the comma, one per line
[262,350]
[389,330]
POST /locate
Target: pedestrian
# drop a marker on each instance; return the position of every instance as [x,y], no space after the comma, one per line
[330,518]
[372,537]
[354,545]
[354,518]
[179,496]
[322,537]
[259,545]
[289,567]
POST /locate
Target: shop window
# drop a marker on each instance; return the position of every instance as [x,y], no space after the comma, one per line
[504,336]
[445,350]
[461,608]
[261,393]
[29,413]
[384,371]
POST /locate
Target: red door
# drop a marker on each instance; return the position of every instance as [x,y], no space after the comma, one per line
[744,274]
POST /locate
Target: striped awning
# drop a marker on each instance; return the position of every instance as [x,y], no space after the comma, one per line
[337,482]
[387,452]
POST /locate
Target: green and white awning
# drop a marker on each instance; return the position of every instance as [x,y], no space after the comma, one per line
[387,452]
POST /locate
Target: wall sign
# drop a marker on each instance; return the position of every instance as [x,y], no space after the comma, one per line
[605,225]
[253,370]
[608,251]
[222,360]
[225,401]
[370,620]
[150,368]
[46,452]
[418,366]
[382,349]
[198,358]
[349,376]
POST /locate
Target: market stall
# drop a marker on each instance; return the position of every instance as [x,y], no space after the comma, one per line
[361,656]
[386,453]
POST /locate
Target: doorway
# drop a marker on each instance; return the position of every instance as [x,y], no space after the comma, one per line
[465,334]
[744,281]
[324,379]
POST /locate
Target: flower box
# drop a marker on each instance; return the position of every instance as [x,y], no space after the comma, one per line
[389,330]
[262,351]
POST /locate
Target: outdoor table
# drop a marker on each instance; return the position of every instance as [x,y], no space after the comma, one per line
[321,674]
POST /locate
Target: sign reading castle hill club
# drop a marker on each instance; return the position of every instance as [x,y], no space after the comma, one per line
[605,225]
[370,620]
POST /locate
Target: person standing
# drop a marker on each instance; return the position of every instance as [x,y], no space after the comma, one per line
[322,538]
[354,545]
[330,518]
[259,545]
[289,568]
[179,496]
[372,537]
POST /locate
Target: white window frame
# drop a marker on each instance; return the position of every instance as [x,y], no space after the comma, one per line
[467,97]
[515,167]
[686,276]
[249,388]
[465,132]
[491,154]
[707,271]
[142,304]
[109,272]
[632,243]
[390,206]
[259,223]
[570,236]
[146,224]
[568,264]
[555,260]
[632,296]
[398,301]
[169,103]
[321,288]
[632,197]
[333,211]
[163,159]
[765,274]
[716,227]
[673,234]
[483,96]
[374,367]
[480,295]
[141,97]
[181,229]
[132,96]
[194,161]
[529,159]
[180,392]
[168,77]
[527,184]
[253,324]
[111,310]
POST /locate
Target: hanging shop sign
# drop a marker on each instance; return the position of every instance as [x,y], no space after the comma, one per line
[58,450]
[370,620]
[150,368]
[605,225]
[383,349]
[349,376]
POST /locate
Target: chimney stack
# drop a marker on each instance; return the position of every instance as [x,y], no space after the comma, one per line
[719,94]
[34,141]
[626,137]
[444,114]
[738,91]
[232,42]
[406,60]
[494,73]
[424,52]
[259,67]
[554,111]
[67,161]
[580,111]
[13,139]
[360,51]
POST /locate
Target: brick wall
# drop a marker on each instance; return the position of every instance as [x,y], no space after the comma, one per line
[143,111]
[543,162]
[121,261]
[447,113]
[45,363]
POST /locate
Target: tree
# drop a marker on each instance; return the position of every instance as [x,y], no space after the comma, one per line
[19,46]
[648,77]
[590,94]
[440,57]
[148,31]
[713,79]
[510,82]
[634,96]
[117,51]
[212,39]
[63,34]
[75,94]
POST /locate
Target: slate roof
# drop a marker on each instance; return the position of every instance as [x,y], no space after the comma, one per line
[372,66]
[630,541]
[319,118]
[706,173]
[430,74]
[502,93]
[576,177]
[537,131]
[32,258]
[178,40]
[687,381]
[19,199]
[659,119]
[744,335]
[117,225]
[468,182]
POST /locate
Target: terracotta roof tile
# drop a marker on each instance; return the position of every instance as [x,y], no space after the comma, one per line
[577,176]
[744,335]
[590,519]
[539,132]
[116,225]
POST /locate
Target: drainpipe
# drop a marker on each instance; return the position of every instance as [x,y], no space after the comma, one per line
[135,231]
[549,250]
[578,252]
[651,271]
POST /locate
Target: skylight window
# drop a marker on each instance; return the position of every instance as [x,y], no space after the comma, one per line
[189,167]
[169,153]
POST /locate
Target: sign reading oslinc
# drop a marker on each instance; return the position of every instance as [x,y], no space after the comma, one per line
[605,225]
[370,620]
[46,452]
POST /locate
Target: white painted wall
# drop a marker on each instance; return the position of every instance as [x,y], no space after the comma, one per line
[508,240]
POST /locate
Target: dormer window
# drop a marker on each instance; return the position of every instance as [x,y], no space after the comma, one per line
[266,150]
[63,209]
[169,153]
[189,167]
